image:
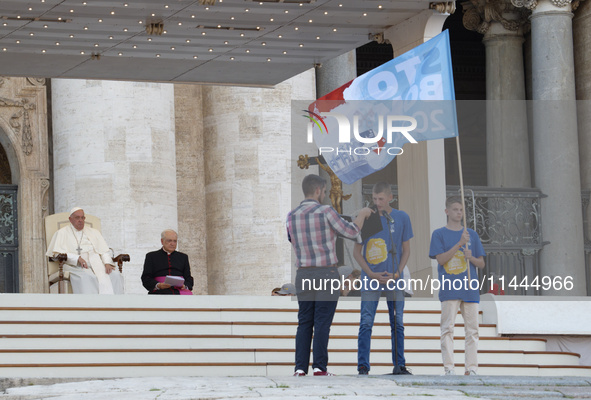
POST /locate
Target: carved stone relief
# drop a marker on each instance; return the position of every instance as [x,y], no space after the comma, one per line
[480,14]
[20,121]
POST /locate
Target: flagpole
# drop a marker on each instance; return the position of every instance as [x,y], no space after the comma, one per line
[461,179]
[462,192]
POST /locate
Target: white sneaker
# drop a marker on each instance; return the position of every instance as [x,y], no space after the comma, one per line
[470,372]
[449,372]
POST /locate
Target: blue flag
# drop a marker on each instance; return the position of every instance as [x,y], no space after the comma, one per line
[362,126]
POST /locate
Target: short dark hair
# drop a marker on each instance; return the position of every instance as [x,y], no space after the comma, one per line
[382,187]
[452,200]
[311,183]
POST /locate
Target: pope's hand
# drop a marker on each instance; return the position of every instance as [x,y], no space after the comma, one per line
[82,262]
[109,268]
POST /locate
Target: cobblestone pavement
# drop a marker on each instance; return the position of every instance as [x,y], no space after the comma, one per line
[333,388]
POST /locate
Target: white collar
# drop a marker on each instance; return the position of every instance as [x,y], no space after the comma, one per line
[76,231]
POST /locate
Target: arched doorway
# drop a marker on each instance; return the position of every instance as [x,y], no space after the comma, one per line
[8,227]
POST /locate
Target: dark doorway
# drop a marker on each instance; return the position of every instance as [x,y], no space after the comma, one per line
[8,228]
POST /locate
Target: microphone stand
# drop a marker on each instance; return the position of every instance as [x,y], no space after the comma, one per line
[393,252]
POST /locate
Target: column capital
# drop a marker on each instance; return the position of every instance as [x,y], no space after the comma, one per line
[480,15]
[532,4]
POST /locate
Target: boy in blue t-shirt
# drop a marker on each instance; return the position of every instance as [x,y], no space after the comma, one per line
[455,248]
[380,274]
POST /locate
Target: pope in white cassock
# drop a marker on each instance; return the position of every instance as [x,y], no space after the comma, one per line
[90,262]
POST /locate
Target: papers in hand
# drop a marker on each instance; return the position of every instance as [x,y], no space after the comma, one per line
[177,281]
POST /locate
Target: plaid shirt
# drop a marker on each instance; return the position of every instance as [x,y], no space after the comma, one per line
[312,229]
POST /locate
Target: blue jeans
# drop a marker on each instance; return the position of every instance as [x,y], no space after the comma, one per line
[369,305]
[316,311]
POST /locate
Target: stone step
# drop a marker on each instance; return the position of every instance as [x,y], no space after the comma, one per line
[143,341]
[213,328]
[182,368]
[117,336]
[378,356]
[200,315]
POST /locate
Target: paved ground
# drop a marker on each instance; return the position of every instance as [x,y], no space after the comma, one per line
[314,388]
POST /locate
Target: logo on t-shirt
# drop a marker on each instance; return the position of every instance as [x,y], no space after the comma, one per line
[376,251]
[457,264]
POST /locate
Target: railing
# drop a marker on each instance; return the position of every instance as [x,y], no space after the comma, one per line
[509,223]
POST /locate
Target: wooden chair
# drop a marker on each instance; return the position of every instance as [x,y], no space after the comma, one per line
[59,280]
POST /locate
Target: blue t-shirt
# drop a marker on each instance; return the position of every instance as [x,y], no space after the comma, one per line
[377,248]
[455,269]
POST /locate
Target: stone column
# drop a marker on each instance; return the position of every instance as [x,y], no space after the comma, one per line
[507,134]
[114,155]
[247,142]
[556,151]
[331,75]
[190,161]
[582,52]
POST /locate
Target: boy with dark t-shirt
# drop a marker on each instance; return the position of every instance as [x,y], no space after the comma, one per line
[382,258]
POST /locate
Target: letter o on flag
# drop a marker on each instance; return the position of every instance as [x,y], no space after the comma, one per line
[382,86]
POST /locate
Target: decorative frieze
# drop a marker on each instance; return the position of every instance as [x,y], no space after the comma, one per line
[561,3]
[20,121]
[36,81]
[529,4]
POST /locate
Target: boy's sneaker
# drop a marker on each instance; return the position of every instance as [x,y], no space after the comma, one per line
[449,372]
[402,371]
[319,372]
[363,370]
[299,372]
[470,372]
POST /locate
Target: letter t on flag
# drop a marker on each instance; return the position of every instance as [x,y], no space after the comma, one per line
[360,127]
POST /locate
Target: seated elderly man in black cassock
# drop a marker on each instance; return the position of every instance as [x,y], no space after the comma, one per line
[166,262]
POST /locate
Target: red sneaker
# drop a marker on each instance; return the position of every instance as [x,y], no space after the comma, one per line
[299,372]
[323,373]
